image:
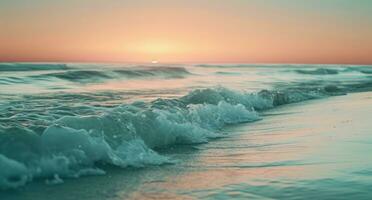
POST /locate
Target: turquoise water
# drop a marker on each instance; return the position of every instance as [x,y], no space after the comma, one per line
[183,131]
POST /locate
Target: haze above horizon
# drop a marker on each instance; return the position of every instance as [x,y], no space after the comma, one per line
[218,31]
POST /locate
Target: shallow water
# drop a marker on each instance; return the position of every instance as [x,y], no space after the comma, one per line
[316,150]
[181,131]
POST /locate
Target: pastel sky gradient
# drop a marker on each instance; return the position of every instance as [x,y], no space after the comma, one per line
[201,31]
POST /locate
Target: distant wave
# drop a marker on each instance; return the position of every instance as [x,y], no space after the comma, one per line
[366,71]
[308,69]
[76,75]
[264,65]
[92,76]
[228,73]
[11,80]
[166,72]
[319,71]
[333,71]
[127,73]
[222,66]
[361,69]
[10,67]
[81,75]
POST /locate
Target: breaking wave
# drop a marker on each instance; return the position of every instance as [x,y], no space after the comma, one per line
[122,136]
[62,144]
[58,136]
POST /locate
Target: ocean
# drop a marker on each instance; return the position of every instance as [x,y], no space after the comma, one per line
[185,131]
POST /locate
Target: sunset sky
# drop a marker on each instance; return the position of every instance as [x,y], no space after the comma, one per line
[179,31]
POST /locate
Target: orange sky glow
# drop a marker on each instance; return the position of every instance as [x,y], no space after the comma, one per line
[236,31]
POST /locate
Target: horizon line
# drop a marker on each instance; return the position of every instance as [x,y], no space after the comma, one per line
[180,63]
